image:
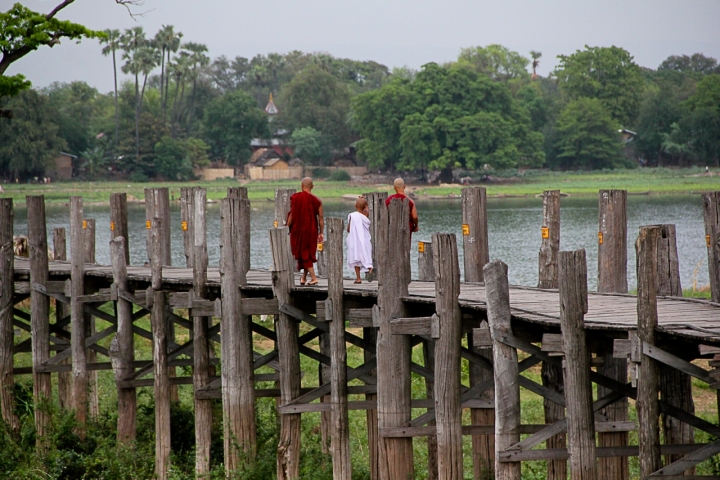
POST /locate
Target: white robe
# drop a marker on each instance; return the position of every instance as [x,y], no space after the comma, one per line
[358,242]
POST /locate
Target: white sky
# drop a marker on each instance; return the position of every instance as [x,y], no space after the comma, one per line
[392,32]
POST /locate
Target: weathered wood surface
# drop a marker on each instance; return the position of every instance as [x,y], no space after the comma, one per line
[61,311]
[340,428]
[612,241]
[475,233]
[80,382]
[550,240]
[578,389]
[7,380]
[448,413]
[119,220]
[90,329]
[426,269]
[507,388]
[39,312]
[376,201]
[711,215]
[647,390]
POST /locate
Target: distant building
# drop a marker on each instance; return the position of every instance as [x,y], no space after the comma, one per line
[279,142]
[267,164]
[62,168]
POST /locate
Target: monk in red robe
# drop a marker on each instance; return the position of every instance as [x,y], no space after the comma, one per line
[399,186]
[306,224]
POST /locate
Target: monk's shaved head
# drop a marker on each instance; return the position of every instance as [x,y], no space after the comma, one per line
[399,185]
[307,182]
[360,203]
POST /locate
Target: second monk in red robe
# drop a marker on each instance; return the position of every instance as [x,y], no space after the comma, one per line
[306,224]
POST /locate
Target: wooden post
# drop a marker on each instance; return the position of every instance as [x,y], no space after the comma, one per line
[159,323]
[550,240]
[7,273]
[89,257]
[186,205]
[448,413]
[578,389]
[675,386]
[340,433]
[612,278]
[483,446]
[61,311]
[647,404]
[375,201]
[612,242]
[475,233]
[393,351]
[122,348]
[507,388]
[552,378]
[552,375]
[238,376]
[119,220]
[426,270]
[711,215]
[286,328]
[371,416]
[77,311]
[39,313]
[282,209]
[324,377]
[201,357]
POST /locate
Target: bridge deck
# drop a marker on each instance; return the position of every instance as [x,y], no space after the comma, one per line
[695,320]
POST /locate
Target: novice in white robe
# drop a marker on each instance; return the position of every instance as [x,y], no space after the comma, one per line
[359,256]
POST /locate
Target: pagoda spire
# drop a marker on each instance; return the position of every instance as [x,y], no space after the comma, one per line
[271,109]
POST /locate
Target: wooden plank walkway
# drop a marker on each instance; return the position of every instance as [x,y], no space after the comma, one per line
[694,319]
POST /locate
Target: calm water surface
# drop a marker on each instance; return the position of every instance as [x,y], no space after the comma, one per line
[514,231]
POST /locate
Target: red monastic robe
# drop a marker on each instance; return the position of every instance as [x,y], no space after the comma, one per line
[400,196]
[304,208]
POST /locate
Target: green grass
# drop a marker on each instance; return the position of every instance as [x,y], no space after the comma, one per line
[531,182]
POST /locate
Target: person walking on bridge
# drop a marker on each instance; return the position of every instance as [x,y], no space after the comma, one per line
[399,186]
[306,225]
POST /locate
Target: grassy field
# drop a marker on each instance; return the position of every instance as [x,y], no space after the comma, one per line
[532,182]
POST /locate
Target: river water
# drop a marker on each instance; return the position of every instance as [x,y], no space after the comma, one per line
[513,223]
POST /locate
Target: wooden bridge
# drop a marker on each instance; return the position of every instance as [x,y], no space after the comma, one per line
[629,346]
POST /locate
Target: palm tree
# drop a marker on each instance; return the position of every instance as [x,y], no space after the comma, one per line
[198,61]
[167,41]
[112,40]
[180,70]
[148,59]
[536,61]
[275,63]
[132,40]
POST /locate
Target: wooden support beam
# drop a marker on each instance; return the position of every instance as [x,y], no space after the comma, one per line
[122,348]
[475,233]
[688,462]
[429,363]
[483,445]
[259,306]
[426,270]
[160,357]
[392,244]
[647,393]
[282,209]
[578,389]
[428,326]
[506,372]
[371,417]
[448,411]
[90,330]
[39,311]
[119,220]
[61,311]
[288,456]
[334,310]
[238,370]
[711,216]
[376,203]
[81,382]
[550,240]
[7,272]
[602,452]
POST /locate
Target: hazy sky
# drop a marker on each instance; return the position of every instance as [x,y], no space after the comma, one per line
[392,32]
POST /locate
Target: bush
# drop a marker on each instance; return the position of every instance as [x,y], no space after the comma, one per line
[138,177]
[321,172]
[339,176]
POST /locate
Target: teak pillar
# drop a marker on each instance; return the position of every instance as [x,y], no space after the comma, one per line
[39,314]
[282,209]
[612,278]
[426,273]
[90,330]
[475,233]
[80,375]
[578,389]
[62,310]
[238,375]
[7,336]
[119,221]
[711,215]
[375,201]
[393,351]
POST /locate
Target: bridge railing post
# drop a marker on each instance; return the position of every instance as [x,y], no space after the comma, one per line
[61,311]
[7,273]
[119,220]
[77,322]
[90,329]
[375,201]
[711,215]
[476,253]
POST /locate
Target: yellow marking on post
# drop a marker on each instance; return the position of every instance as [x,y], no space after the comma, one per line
[84,223]
[600,238]
[148,224]
[112,226]
[707,240]
[545,232]
[183,226]
[466,229]
[275,224]
[421,247]
[320,247]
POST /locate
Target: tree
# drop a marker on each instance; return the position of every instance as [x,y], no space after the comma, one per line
[311,146]
[198,61]
[112,41]
[535,55]
[29,141]
[314,98]
[171,159]
[168,42]
[587,136]
[23,31]
[73,108]
[230,122]
[132,41]
[495,61]
[697,63]
[606,73]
